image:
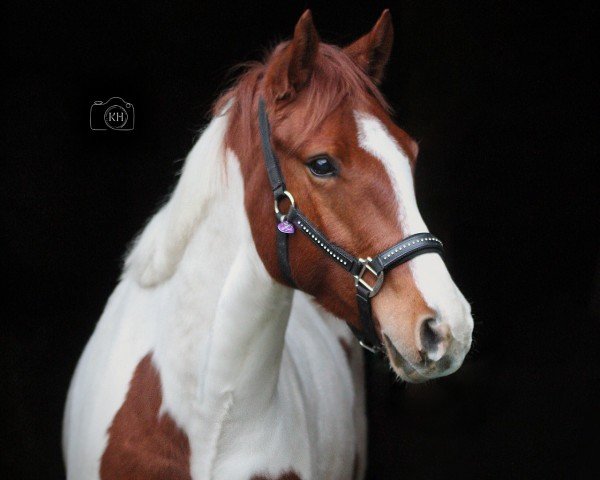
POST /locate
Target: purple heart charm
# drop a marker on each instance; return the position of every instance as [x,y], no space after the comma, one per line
[286,227]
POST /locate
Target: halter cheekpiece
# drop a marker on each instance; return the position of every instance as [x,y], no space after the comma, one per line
[360,268]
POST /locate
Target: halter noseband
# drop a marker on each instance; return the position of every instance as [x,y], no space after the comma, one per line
[397,254]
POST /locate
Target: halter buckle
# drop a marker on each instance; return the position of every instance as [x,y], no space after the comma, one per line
[359,279]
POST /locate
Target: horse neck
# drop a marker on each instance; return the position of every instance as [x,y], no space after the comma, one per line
[221,319]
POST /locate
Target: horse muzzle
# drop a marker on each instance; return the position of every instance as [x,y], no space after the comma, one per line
[435,352]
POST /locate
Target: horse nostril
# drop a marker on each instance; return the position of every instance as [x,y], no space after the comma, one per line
[429,336]
[433,335]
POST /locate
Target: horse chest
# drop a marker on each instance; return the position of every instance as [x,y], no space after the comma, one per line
[308,430]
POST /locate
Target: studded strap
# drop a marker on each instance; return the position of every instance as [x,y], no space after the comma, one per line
[406,249]
[336,253]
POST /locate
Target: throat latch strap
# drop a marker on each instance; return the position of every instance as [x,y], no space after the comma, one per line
[368,272]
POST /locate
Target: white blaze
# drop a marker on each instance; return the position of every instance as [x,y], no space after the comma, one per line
[429,271]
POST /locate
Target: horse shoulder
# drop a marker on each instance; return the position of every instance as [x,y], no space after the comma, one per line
[100,384]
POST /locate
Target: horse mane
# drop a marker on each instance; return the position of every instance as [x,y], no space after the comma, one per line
[157,251]
[335,78]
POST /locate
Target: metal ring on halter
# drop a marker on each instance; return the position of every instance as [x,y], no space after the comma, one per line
[368,347]
[366,266]
[290,197]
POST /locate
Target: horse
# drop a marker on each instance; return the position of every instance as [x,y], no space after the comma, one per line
[223,352]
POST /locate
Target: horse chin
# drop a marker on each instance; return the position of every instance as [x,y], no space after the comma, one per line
[401,366]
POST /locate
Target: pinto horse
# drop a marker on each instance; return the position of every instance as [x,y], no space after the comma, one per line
[206,363]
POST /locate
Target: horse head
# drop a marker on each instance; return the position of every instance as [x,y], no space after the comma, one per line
[350,169]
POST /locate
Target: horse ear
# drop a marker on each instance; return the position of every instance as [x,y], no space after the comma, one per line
[293,68]
[371,52]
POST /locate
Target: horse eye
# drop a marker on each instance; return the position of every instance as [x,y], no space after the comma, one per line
[321,167]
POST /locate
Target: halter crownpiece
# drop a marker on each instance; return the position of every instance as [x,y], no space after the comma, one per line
[375,267]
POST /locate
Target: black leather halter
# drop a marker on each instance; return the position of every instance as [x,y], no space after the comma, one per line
[293,220]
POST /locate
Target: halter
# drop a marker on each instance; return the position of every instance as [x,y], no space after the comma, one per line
[376,266]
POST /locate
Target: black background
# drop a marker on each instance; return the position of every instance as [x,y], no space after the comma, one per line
[499,95]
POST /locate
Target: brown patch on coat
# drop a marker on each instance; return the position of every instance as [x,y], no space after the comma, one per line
[290,475]
[142,444]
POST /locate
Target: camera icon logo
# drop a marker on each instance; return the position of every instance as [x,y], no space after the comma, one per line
[114,114]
